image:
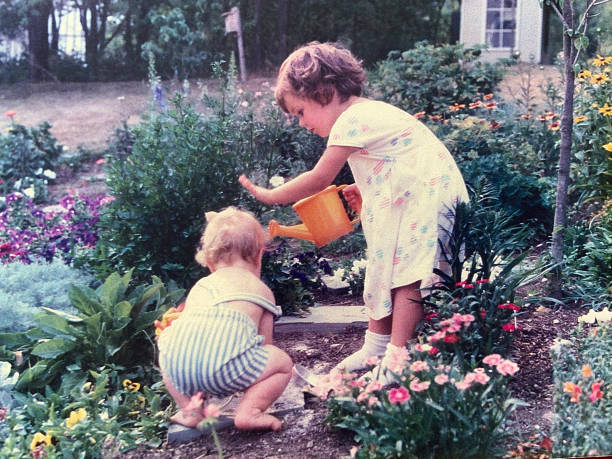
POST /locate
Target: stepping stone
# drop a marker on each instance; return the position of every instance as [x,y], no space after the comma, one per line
[324,319]
[292,399]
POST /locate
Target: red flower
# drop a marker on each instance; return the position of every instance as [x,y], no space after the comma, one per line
[494,125]
[10,113]
[596,393]
[509,327]
[546,444]
[483,313]
[419,115]
[483,281]
[434,350]
[512,306]
[431,316]
[452,338]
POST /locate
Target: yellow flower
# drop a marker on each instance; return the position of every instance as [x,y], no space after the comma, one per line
[606,110]
[580,118]
[38,440]
[600,61]
[608,146]
[599,78]
[131,386]
[76,417]
[584,74]
[586,371]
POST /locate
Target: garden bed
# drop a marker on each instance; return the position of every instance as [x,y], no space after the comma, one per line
[305,434]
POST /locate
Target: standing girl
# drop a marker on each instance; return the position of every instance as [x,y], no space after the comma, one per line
[406,188]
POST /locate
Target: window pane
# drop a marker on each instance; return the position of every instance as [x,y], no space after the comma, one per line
[510,3]
[493,39]
[493,3]
[509,22]
[508,40]
[493,20]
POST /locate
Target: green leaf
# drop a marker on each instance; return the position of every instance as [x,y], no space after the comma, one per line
[32,378]
[113,288]
[12,340]
[123,309]
[53,324]
[84,299]
[65,315]
[53,348]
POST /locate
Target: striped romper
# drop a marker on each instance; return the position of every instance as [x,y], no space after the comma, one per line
[214,349]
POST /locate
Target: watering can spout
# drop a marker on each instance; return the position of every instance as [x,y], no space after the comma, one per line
[296,231]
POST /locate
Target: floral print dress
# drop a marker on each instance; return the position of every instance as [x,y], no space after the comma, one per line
[410,186]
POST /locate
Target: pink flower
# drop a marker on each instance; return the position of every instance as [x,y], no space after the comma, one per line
[356,383]
[397,359]
[100,161]
[467,318]
[418,386]
[419,365]
[441,379]
[373,386]
[422,347]
[10,113]
[353,451]
[399,395]
[372,400]
[507,367]
[596,393]
[492,359]
[212,411]
[2,413]
[462,385]
[362,396]
[480,377]
[436,337]
[373,360]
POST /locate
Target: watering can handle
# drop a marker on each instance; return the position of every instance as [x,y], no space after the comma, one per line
[340,188]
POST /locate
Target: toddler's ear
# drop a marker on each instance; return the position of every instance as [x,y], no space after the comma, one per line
[210,215]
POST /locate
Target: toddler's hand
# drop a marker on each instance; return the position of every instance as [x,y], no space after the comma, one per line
[259,193]
[353,197]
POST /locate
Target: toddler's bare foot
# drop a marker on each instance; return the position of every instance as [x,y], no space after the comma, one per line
[187,418]
[191,414]
[256,420]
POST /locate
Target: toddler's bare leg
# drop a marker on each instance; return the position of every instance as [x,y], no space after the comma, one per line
[191,409]
[250,413]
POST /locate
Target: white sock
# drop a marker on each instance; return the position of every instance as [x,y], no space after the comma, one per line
[373,345]
[379,372]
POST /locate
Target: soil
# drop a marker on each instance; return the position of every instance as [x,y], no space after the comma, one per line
[85,115]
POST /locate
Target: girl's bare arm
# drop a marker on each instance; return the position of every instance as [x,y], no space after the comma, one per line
[305,184]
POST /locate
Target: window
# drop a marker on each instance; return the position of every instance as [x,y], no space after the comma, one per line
[501,23]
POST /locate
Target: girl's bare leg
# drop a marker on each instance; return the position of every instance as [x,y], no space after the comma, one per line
[250,413]
[407,313]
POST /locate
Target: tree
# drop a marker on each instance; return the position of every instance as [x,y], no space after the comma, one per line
[574,41]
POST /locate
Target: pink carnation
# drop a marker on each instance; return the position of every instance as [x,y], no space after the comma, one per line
[419,365]
[441,379]
[372,400]
[492,359]
[462,385]
[507,367]
[480,378]
[373,360]
[419,386]
[399,395]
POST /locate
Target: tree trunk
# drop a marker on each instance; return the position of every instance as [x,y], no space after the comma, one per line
[257,52]
[38,40]
[283,11]
[565,148]
[54,31]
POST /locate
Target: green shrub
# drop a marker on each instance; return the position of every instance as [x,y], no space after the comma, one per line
[26,288]
[113,326]
[582,400]
[587,267]
[431,79]
[28,158]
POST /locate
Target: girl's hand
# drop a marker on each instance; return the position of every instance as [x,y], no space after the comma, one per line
[258,192]
[353,197]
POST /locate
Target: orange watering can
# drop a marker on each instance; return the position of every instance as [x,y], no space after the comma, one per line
[323,215]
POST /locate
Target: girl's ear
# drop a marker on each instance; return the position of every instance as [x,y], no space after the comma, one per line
[210,215]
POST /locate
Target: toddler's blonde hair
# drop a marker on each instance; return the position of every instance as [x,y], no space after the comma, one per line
[229,233]
[317,70]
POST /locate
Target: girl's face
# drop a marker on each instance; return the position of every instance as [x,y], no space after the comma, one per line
[313,116]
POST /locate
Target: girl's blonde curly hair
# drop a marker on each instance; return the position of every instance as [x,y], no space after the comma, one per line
[229,233]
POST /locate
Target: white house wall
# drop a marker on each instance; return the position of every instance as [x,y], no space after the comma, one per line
[529,29]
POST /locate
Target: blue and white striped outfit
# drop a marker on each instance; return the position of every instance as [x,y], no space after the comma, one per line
[214,349]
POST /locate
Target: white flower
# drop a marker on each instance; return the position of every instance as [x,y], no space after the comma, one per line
[38,171]
[358,265]
[29,192]
[245,104]
[50,174]
[276,180]
[17,184]
[558,344]
[296,261]
[121,98]
[591,317]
